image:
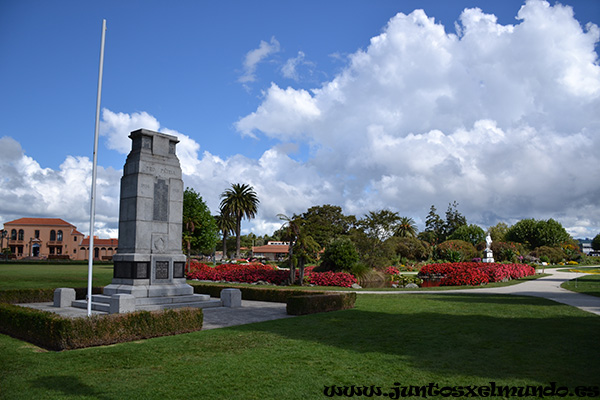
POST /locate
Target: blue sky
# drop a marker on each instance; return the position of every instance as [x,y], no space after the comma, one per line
[299,100]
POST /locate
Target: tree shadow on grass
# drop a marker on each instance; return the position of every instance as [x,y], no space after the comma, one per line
[68,386]
[492,337]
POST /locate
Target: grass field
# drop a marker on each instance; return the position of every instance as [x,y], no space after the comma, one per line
[50,276]
[449,339]
[588,284]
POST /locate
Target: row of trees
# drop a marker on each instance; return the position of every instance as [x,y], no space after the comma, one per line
[200,228]
[380,238]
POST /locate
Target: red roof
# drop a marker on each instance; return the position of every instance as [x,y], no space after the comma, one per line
[271,248]
[100,242]
[40,222]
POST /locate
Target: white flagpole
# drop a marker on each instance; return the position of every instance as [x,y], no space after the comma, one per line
[95,163]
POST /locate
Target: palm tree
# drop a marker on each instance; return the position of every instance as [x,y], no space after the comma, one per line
[241,202]
[406,227]
[226,224]
[292,228]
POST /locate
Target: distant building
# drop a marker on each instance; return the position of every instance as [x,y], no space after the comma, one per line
[272,251]
[44,238]
[104,249]
[585,245]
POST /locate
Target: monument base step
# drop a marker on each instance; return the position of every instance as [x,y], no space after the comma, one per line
[104,307]
[101,302]
[198,304]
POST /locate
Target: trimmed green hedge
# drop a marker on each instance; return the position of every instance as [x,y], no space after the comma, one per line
[53,332]
[311,304]
[310,301]
[14,296]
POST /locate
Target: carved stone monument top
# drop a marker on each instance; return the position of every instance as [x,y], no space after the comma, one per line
[149,261]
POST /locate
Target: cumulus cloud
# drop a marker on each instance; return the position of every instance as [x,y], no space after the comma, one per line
[117,127]
[502,118]
[29,190]
[291,66]
[255,56]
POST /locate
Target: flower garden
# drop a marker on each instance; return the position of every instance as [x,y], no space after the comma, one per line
[256,272]
[473,273]
[444,274]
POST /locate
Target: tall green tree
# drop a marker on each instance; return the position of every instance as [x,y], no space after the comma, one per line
[291,231]
[326,223]
[498,232]
[306,249]
[406,227]
[240,201]
[434,227]
[226,224]
[469,233]
[199,227]
[596,243]
[454,219]
[371,237]
[533,233]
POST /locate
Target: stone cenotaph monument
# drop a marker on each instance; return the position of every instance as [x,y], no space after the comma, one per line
[149,261]
[149,266]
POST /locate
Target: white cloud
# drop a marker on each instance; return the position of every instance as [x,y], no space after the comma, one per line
[503,119]
[31,191]
[117,127]
[290,68]
[254,57]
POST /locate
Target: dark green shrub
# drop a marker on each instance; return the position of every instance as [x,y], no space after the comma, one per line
[456,251]
[14,296]
[53,332]
[469,233]
[507,251]
[596,243]
[339,255]
[554,255]
[534,234]
[311,304]
[410,248]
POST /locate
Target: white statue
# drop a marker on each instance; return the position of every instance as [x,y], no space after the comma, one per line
[488,241]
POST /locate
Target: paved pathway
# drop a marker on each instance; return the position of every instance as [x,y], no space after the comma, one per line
[547,287]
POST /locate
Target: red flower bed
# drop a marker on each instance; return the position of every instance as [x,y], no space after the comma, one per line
[246,273]
[250,273]
[330,278]
[470,273]
[392,270]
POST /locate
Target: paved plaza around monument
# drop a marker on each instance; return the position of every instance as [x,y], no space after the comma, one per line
[257,311]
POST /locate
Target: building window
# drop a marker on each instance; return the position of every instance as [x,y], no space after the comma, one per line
[13,234]
[74,238]
[96,252]
[37,234]
[21,234]
[51,249]
[59,236]
[58,249]
[52,235]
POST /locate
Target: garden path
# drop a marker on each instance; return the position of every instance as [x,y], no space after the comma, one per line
[547,287]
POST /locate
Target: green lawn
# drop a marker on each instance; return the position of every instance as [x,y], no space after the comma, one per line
[587,284]
[49,276]
[449,339]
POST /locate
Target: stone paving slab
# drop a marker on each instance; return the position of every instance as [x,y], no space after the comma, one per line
[214,317]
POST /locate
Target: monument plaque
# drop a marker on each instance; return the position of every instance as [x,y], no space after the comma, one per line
[149,259]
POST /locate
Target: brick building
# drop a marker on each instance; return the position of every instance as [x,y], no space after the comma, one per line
[52,238]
